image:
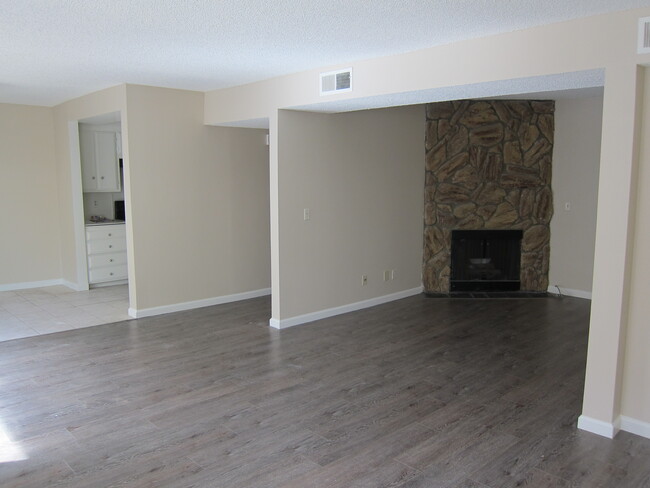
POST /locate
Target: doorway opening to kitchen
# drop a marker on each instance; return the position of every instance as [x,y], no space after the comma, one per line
[99,210]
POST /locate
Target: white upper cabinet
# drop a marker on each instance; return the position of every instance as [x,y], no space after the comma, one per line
[88,164]
[99,161]
[108,169]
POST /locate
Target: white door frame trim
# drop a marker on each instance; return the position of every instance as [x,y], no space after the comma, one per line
[78,207]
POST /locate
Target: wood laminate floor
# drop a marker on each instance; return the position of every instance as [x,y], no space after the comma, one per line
[415,393]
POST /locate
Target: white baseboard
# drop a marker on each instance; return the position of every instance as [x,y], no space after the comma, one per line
[606,429]
[634,426]
[31,284]
[106,284]
[206,302]
[73,286]
[569,292]
[330,312]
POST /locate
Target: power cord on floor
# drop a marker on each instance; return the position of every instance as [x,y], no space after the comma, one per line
[559,292]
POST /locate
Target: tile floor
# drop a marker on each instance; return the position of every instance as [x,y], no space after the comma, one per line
[36,311]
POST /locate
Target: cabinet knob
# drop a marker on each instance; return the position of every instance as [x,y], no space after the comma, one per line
[110,246]
[102,177]
[109,234]
[111,274]
[93,177]
[110,260]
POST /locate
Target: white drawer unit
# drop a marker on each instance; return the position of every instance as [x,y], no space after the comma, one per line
[115,244]
[109,273]
[96,232]
[106,247]
[109,259]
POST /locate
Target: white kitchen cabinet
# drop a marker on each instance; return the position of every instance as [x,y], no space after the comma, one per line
[106,248]
[100,170]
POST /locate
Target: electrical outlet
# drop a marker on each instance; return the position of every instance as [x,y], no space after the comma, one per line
[306,214]
[392,274]
[364,280]
[386,275]
[94,203]
[567,206]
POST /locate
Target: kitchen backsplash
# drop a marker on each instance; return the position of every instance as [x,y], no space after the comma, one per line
[100,204]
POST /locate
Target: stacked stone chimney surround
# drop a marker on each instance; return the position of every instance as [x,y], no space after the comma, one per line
[488,166]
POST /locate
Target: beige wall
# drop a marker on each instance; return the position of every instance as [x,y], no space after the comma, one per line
[198,196]
[69,169]
[576,159]
[362,177]
[29,201]
[605,42]
[199,201]
[582,44]
[614,230]
[636,382]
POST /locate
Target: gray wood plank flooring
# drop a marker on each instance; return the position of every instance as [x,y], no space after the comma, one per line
[420,392]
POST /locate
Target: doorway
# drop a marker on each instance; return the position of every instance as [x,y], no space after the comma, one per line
[98,202]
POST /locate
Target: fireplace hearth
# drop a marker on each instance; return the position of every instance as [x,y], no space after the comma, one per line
[485,260]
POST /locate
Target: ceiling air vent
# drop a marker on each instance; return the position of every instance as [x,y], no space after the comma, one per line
[644,35]
[336,81]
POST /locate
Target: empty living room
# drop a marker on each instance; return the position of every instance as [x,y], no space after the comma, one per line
[315,244]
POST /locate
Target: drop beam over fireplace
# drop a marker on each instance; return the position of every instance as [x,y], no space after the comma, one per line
[485,260]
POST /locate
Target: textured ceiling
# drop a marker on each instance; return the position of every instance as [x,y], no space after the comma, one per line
[55,50]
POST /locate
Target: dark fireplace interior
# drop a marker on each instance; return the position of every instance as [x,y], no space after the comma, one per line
[485,260]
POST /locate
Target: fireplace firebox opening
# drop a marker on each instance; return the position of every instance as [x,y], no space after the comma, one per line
[485,260]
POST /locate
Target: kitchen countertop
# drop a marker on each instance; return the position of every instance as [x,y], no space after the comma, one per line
[104,222]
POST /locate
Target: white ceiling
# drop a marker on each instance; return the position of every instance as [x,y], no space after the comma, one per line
[55,50]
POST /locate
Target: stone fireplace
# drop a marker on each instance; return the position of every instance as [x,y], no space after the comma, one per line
[488,166]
